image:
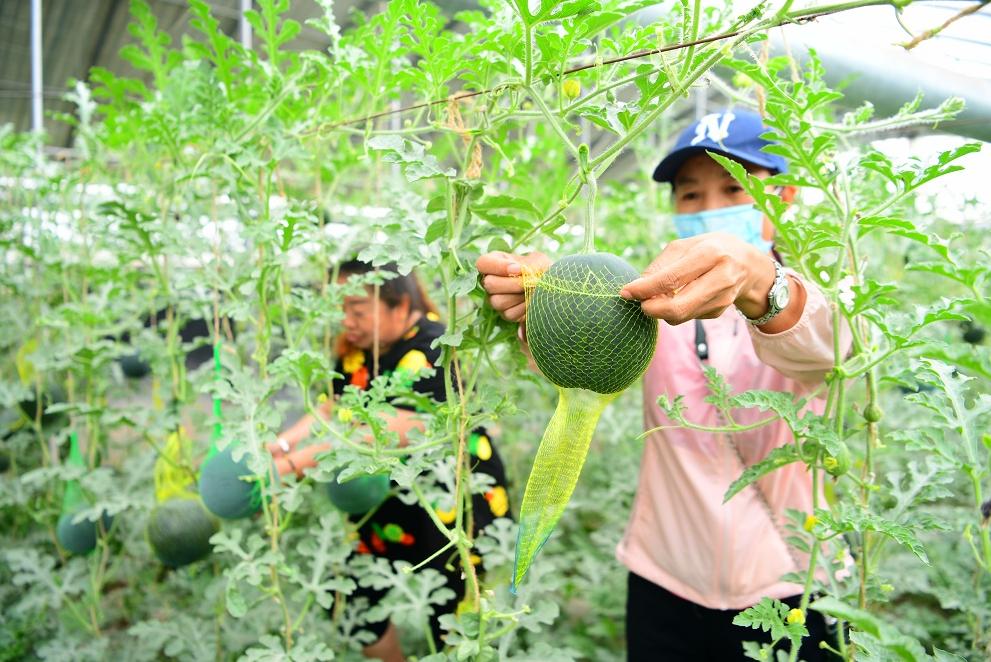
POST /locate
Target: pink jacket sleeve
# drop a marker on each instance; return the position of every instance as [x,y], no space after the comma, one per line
[805,351]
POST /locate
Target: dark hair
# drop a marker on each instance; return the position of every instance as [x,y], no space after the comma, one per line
[392,290]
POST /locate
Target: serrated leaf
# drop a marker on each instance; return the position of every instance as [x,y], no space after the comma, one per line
[412,156]
[886,635]
[506,202]
[777,458]
[904,228]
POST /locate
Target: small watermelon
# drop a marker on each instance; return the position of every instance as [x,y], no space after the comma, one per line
[52,396]
[133,366]
[179,531]
[581,333]
[230,489]
[358,495]
[79,537]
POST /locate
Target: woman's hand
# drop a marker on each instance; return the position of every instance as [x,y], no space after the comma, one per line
[701,277]
[280,447]
[296,461]
[501,279]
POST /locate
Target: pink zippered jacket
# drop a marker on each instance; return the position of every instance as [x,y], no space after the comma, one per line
[681,535]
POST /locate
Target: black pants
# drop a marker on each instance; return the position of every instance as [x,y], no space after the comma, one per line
[401,532]
[662,627]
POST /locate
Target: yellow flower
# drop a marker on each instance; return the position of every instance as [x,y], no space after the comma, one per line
[796,616]
[572,88]
[414,361]
[344,415]
[810,522]
[498,501]
[446,516]
[353,360]
[480,447]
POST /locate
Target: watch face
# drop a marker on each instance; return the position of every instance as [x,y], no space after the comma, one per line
[782,296]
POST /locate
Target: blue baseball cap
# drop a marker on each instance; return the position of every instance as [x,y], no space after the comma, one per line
[734,133]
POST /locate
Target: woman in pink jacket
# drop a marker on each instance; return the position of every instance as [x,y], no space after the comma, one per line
[723,300]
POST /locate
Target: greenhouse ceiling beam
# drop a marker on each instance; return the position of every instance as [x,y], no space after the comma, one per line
[97,54]
[244,27]
[37,93]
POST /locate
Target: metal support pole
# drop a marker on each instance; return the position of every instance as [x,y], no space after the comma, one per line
[37,112]
[244,25]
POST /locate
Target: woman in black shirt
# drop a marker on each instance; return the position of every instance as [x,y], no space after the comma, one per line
[405,323]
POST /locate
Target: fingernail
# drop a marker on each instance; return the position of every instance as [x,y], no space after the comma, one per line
[514,269]
[625,293]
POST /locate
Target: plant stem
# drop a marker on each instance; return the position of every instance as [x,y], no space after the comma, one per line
[553,121]
[527,53]
[600,163]
[690,53]
[590,195]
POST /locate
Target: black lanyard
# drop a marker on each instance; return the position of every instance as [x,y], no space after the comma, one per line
[701,344]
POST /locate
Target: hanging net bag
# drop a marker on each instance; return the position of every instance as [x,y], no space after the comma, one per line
[591,344]
[228,487]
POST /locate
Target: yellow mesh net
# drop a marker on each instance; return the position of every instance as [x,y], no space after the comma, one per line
[591,344]
[173,477]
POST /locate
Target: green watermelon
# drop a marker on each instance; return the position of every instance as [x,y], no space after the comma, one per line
[581,333]
[80,537]
[358,495]
[229,489]
[52,395]
[179,531]
[133,366]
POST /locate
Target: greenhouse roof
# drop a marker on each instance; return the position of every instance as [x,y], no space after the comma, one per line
[859,47]
[78,36]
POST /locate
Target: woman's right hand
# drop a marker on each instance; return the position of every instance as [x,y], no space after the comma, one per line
[280,447]
[501,279]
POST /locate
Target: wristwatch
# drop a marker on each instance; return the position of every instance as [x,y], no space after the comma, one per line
[777,298]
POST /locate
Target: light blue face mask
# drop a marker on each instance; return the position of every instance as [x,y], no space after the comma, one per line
[742,221]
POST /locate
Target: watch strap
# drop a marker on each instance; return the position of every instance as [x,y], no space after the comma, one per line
[780,280]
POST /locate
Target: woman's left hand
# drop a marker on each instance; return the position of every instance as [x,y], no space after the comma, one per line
[701,277]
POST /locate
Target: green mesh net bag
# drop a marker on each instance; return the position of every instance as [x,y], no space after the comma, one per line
[591,344]
[78,536]
[229,488]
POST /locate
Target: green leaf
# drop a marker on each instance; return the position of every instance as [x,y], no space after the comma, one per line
[436,230]
[437,203]
[901,647]
[505,222]
[506,203]
[551,11]
[846,518]
[306,367]
[777,458]
[904,228]
[416,163]
[782,404]
[770,615]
